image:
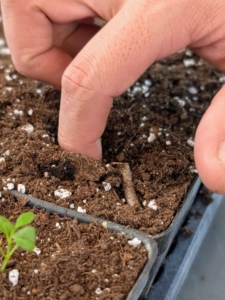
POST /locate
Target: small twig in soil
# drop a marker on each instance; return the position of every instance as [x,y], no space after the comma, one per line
[58,247]
[128,186]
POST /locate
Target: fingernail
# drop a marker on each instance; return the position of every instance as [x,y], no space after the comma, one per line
[94,150]
[221,152]
[99,148]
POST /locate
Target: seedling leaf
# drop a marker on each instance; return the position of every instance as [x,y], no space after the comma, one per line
[6,226]
[24,219]
[25,238]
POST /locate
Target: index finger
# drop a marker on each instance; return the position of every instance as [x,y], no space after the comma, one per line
[117,55]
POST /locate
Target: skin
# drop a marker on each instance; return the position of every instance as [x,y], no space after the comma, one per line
[55,41]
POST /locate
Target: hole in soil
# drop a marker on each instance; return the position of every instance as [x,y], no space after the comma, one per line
[63,171]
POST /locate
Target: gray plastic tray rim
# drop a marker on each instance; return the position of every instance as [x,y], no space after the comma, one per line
[148,242]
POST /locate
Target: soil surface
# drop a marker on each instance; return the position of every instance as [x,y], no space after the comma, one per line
[71,260]
[151,127]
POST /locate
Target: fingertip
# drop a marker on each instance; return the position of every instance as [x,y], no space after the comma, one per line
[91,150]
[209,147]
[210,170]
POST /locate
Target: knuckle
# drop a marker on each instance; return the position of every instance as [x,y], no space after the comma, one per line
[76,78]
[22,68]
[22,63]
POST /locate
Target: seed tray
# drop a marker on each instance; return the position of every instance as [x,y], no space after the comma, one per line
[148,242]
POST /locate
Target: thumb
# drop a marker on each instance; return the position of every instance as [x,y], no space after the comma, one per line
[210,145]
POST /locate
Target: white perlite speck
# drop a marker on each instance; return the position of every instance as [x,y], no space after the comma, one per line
[81,210]
[72,206]
[2,42]
[98,291]
[148,82]
[193,90]
[18,112]
[37,250]
[39,91]
[222,79]
[28,128]
[189,62]
[8,77]
[5,51]
[30,112]
[152,205]
[135,242]
[193,170]
[10,186]
[14,277]
[151,137]
[6,153]
[168,142]
[188,52]
[180,101]
[9,88]
[62,193]
[107,186]
[190,142]
[14,76]
[2,159]
[145,89]
[136,89]
[21,188]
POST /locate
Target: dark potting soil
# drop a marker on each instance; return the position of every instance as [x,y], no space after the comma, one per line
[71,260]
[162,170]
[151,127]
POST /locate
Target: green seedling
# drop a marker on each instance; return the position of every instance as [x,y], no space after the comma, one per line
[16,237]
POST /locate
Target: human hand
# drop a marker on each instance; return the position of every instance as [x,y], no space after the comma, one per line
[45,36]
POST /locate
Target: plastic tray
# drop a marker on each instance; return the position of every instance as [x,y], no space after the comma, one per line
[156,254]
[165,238]
[149,243]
